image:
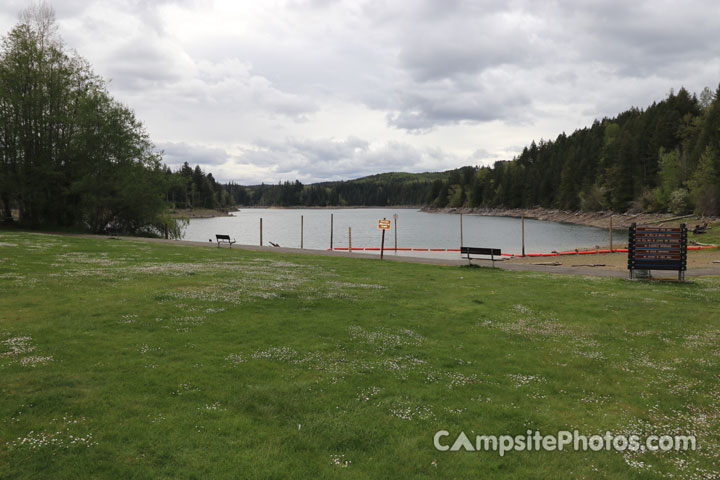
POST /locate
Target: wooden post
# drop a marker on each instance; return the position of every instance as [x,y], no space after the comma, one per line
[349,239]
[461,232]
[261,231]
[301,231]
[611,233]
[382,245]
[395,216]
[523,235]
[331,232]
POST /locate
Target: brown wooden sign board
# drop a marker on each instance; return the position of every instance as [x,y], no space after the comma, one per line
[657,248]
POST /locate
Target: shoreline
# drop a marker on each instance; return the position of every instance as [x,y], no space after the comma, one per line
[199,213]
[336,207]
[621,221]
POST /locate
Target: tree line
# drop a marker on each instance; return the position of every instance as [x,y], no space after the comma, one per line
[72,156]
[361,193]
[193,188]
[665,158]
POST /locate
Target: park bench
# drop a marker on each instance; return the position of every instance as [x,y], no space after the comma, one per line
[491,252]
[657,248]
[224,239]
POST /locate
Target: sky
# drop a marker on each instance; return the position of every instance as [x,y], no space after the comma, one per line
[266,91]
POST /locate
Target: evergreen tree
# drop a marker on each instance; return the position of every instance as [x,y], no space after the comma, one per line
[71,155]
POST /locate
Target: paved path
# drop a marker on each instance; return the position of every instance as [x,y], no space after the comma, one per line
[504,264]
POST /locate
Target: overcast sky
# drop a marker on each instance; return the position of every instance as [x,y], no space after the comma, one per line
[256,90]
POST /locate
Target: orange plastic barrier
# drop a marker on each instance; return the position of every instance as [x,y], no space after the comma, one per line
[570,252]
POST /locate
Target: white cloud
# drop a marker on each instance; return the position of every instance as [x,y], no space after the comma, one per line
[328,89]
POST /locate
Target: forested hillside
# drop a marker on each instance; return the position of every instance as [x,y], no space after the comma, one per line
[72,156]
[396,188]
[664,158]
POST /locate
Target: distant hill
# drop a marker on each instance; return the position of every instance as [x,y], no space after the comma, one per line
[402,177]
[665,158]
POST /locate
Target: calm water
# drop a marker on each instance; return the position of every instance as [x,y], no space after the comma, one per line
[415,229]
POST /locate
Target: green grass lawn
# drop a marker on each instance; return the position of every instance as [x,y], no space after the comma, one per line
[127,359]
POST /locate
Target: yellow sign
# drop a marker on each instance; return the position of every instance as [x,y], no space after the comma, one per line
[384,224]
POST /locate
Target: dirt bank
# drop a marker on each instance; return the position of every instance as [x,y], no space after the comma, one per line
[593,219]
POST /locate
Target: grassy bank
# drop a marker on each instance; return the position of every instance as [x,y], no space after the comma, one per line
[123,359]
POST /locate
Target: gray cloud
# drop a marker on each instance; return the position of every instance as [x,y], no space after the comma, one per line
[460,45]
[580,51]
[332,159]
[177,153]
[422,107]
[327,89]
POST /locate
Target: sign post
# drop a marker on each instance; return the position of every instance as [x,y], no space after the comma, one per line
[383,225]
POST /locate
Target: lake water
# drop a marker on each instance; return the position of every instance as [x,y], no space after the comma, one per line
[415,229]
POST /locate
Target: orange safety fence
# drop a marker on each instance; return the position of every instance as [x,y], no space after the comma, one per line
[553,254]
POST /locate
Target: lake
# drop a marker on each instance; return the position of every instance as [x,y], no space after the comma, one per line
[415,229]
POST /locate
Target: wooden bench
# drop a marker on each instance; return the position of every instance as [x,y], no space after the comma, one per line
[224,239]
[491,252]
[657,248]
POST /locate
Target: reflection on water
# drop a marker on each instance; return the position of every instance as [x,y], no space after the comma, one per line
[415,229]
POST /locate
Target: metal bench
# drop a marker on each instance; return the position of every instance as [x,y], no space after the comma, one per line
[224,239]
[491,252]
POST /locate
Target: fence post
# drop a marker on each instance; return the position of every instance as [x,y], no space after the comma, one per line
[331,232]
[523,235]
[261,231]
[302,227]
[461,232]
[395,217]
[349,239]
[631,250]
[611,234]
